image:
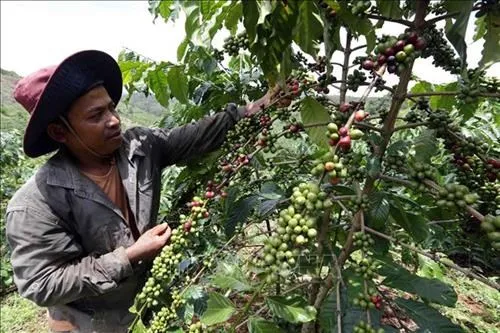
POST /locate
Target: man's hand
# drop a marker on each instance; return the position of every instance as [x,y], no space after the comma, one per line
[263,102]
[149,244]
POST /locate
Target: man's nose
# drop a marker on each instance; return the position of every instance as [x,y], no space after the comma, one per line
[113,120]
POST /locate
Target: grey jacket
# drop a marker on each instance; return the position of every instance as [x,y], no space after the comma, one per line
[68,239]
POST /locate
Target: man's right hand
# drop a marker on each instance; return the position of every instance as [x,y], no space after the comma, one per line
[149,244]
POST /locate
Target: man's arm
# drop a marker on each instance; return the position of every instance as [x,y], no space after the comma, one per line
[48,265]
[205,135]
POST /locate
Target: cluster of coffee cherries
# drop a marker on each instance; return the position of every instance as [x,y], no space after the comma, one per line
[491,225]
[342,136]
[319,65]
[371,300]
[361,202]
[455,195]
[439,48]
[421,171]
[363,327]
[441,121]
[167,314]
[233,44]
[397,53]
[293,85]
[355,79]
[395,162]
[492,169]
[266,140]
[331,164]
[360,7]
[323,82]
[165,265]
[366,267]
[196,328]
[212,189]
[239,160]
[293,129]
[296,229]
[240,133]
[363,240]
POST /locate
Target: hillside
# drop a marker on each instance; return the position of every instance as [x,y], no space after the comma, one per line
[140,110]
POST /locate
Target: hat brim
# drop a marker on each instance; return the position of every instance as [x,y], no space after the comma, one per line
[70,80]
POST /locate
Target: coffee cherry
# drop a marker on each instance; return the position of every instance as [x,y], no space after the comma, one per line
[368,65]
[360,115]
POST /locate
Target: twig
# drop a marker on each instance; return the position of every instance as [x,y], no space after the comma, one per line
[345,67]
[435,258]
[412,125]
[367,126]
[451,93]
[339,309]
[443,221]
[359,47]
[389,19]
[404,182]
[439,18]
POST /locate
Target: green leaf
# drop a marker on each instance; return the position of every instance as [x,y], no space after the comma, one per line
[313,112]
[192,23]
[233,16]
[446,101]
[181,49]
[431,290]
[138,327]
[390,8]
[421,87]
[132,71]
[379,210]
[425,146]
[231,277]
[429,268]
[467,110]
[237,211]
[161,7]
[219,309]
[456,32]
[414,224]
[427,318]
[491,47]
[158,83]
[309,28]
[480,28]
[260,325]
[178,84]
[292,309]
[250,18]
[373,166]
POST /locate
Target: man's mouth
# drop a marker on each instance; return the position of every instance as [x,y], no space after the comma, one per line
[115,135]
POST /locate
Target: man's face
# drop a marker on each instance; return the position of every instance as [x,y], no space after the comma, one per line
[95,120]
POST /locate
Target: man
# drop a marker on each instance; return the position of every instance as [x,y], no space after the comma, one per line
[83,228]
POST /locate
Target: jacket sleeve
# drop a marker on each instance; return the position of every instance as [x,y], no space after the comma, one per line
[49,265]
[205,135]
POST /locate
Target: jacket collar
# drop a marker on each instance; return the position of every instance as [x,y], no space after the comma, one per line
[64,173]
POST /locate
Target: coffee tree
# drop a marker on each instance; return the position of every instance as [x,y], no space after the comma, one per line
[317,211]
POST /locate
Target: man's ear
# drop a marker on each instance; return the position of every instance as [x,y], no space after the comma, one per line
[57,132]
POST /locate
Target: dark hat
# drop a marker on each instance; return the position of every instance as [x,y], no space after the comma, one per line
[49,92]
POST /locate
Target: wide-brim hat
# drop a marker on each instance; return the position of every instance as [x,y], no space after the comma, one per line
[49,93]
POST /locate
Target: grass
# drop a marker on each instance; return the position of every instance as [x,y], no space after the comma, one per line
[18,315]
[478,306]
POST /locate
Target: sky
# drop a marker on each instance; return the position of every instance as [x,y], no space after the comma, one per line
[35,34]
